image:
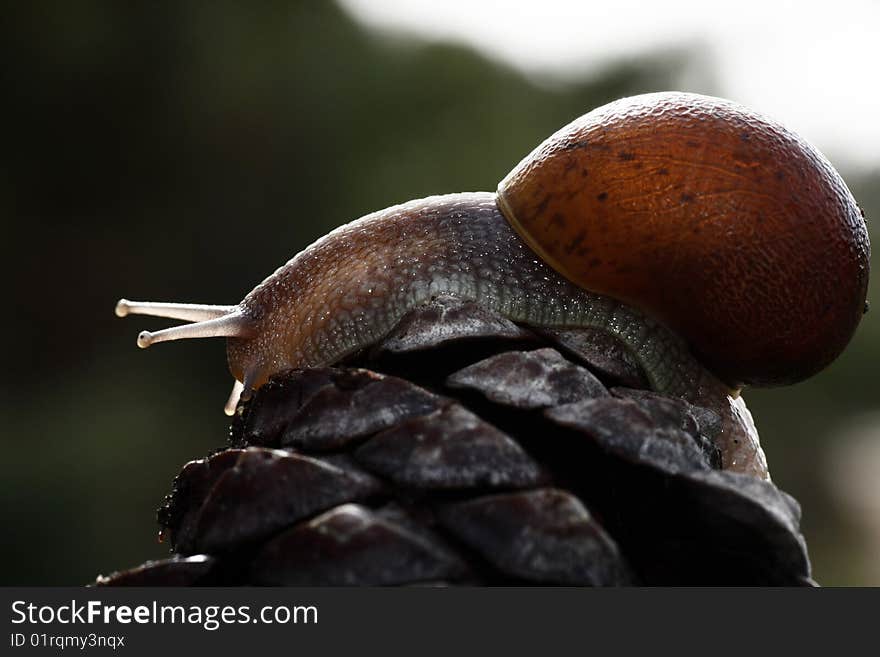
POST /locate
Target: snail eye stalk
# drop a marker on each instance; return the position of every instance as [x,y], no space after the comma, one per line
[207,321]
[188,312]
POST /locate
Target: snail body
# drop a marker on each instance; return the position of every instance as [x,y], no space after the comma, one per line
[350,296]
[623,221]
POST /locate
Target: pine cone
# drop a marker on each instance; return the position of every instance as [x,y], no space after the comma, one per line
[465,449]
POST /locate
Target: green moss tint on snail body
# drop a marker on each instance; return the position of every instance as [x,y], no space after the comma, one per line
[653,217]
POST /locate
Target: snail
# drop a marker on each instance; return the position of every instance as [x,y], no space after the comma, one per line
[721,248]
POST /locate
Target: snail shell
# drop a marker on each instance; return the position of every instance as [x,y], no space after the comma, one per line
[714,219]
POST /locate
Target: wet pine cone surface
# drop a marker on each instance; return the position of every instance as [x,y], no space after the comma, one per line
[465,449]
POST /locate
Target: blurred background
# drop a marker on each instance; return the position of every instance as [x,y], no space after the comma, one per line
[182,151]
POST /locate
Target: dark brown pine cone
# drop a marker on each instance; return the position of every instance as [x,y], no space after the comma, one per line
[465,449]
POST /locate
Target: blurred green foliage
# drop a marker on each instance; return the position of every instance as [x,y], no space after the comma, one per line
[182,151]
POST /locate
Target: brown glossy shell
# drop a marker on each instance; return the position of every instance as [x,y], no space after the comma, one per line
[718,221]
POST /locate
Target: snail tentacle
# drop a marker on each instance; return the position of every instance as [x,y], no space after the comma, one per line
[189,312]
[233,325]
